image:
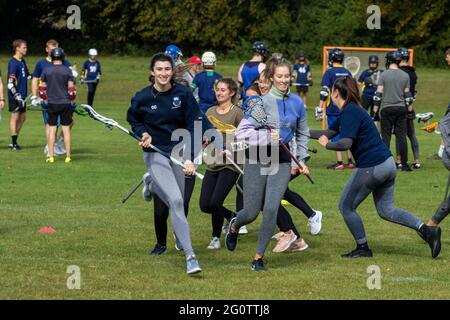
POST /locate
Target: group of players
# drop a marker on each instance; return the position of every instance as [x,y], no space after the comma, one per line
[52,90]
[179,95]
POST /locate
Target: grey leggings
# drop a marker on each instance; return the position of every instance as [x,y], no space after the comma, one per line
[168,179]
[260,187]
[442,211]
[379,181]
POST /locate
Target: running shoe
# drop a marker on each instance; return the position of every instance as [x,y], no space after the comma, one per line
[336,166]
[358,253]
[50,160]
[68,160]
[243,230]
[315,223]
[258,265]
[158,250]
[231,238]
[298,245]
[147,191]
[285,242]
[192,265]
[214,244]
[432,235]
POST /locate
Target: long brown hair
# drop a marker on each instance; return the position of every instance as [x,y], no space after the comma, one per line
[348,89]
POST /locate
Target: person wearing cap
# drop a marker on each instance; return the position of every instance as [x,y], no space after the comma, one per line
[91,74]
[58,89]
[195,66]
[205,81]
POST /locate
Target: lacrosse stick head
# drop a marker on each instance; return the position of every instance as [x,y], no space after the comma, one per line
[254,111]
[110,123]
[220,126]
[424,117]
[430,128]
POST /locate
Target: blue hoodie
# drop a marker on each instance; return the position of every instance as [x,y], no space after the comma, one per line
[161,113]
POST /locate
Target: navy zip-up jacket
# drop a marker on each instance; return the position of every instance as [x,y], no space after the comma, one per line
[161,113]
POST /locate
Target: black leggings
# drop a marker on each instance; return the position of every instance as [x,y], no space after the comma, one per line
[92,87]
[215,188]
[161,211]
[284,219]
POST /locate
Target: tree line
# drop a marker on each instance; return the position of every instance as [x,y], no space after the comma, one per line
[228,27]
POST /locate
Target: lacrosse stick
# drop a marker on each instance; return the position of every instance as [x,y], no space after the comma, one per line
[88,81]
[424,117]
[110,123]
[258,117]
[225,128]
[430,128]
[132,191]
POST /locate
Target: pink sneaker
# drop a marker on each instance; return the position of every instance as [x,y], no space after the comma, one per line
[278,235]
[285,242]
[298,245]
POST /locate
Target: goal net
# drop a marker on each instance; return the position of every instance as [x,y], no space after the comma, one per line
[356,59]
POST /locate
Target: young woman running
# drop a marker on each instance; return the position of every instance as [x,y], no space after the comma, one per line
[221,176]
[156,111]
[375,170]
[266,180]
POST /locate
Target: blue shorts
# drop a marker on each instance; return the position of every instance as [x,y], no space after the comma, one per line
[330,121]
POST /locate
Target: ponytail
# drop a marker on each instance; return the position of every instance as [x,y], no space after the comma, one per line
[348,90]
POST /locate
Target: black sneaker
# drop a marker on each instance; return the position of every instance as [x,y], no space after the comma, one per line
[398,165]
[406,168]
[258,265]
[432,235]
[17,147]
[231,238]
[358,253]
[158,250]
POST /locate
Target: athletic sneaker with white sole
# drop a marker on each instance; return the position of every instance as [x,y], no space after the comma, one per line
[148,187]
[315,223]
[192,265]
[243,230]
[285,241]
[298,245]
[214,244]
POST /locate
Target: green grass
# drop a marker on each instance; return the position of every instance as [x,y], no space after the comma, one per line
[109,241]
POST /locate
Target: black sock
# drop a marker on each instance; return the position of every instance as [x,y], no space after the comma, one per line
[340,163]
[350,160]
[14,139]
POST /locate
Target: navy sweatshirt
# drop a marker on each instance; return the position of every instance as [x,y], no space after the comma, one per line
[161,113]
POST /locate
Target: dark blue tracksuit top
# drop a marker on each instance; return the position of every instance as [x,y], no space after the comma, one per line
[161,113]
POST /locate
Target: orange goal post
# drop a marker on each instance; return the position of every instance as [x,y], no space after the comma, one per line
[356,61]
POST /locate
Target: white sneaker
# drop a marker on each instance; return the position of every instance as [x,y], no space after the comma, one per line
[225,227]
[60,148]
[147,191]
[214,244]
[243,230]
[315,223]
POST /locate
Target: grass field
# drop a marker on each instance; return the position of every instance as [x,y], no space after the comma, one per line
[109,241]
